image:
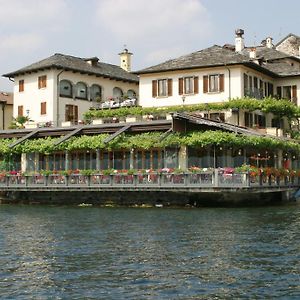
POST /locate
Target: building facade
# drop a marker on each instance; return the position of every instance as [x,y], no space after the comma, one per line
[220,73]
[59,89]
[6,110]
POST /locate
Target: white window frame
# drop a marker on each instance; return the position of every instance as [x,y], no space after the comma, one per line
[214,83]
[162,87]
[188,88]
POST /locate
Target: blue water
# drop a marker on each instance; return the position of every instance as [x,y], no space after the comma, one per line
[117,253]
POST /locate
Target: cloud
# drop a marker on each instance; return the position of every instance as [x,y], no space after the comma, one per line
[162,29]
[24,14]
[21,42]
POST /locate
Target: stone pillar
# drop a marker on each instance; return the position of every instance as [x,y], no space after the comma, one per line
[278,164]
[183,157]
[98,159]
[67,161]
[23,162]
[131,163]
[36,161]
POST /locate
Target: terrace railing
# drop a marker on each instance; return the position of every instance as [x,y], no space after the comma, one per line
[208,179]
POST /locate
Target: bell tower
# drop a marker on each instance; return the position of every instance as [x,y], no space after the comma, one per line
[125,57]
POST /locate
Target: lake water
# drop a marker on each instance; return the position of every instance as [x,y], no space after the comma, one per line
[118,253]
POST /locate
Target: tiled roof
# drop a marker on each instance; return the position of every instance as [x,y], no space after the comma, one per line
[213,56]
[72,63]
[282,68]
[266,53]
[286,37]
[6,97]
[271,61]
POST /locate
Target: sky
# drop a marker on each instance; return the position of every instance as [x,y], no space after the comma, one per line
[153,30]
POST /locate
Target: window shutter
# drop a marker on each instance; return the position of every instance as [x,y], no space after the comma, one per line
[294,94]
[279,92]
[205,84]
[196,85]
[221,82]
[294,91]
[180,86]
[170,87]
[75,113]
[154,88]
[43,108]
[20,110]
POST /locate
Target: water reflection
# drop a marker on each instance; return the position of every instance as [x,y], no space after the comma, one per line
[96,253]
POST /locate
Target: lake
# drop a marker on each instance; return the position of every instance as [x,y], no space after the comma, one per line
[69,252]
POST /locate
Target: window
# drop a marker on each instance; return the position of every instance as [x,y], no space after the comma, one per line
[81,90]
[256,120]
[65,89]
[21,85]
[43,108]
[162,88]
[213,83]
[20,111]
[42,81]
[95,92]
[131,94]
[117,93]
[287,92]
[71,113]
[188,85]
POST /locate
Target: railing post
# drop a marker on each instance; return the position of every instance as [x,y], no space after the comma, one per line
[159,179]
[135,179]
[216,175]
[111,179]
[88,180]
[7,180]
[186,178]
[46,180]
[67,180]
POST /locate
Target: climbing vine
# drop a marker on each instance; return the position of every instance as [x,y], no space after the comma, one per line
[279,108]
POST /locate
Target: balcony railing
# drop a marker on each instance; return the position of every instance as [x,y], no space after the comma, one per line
[209,179]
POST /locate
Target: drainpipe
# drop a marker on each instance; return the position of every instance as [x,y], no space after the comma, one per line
[229,77]
[57,98]
[3,114]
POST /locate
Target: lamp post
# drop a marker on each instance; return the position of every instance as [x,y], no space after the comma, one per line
[183,99]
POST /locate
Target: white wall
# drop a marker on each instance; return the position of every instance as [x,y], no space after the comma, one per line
[235,90]
[32,97]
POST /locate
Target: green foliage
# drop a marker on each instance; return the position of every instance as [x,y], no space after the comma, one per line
[279,108]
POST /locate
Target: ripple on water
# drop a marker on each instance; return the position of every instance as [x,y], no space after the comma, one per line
[97,253]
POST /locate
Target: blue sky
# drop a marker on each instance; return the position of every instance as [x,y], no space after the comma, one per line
[154,30]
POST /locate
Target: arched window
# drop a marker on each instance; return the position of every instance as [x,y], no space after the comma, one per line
[81,90]
[117,93]
[65,88]
[131,94]
[96,92]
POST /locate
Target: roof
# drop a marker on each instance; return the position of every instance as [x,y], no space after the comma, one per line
[212,56]
[288,36]
[77,64]
[6,97]
[266,53]
[282,68]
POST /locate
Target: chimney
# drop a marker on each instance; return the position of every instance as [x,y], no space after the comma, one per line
[252,53]
[239,40]
[269,43]
[125,57]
